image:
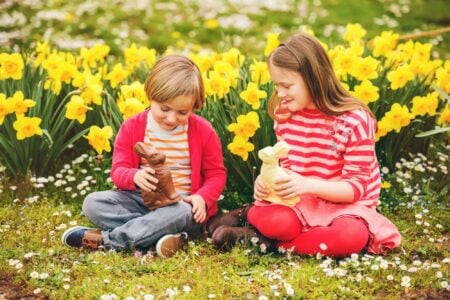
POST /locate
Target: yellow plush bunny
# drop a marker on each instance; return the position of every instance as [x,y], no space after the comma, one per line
[270,170]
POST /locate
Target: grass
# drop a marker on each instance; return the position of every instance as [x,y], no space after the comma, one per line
[34,215]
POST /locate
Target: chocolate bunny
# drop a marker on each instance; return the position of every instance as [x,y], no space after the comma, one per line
[165,193]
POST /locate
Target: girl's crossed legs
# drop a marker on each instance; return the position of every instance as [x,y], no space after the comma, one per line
[344,236]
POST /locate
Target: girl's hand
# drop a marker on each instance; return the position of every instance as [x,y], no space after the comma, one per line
[260,191]
[198,207]
[292,185]
[145,180]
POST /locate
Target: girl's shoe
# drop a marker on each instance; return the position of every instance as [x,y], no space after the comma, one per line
[225,237]
[234,218]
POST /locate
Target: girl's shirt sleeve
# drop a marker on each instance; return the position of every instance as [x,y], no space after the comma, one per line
[361,168]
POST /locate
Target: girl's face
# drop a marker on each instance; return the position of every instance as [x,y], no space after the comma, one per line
[291,89]
[173,113]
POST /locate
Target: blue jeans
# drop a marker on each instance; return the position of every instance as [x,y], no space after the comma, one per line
[127,223]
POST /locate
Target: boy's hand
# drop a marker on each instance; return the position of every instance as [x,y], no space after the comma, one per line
[260,191]
[145,180]
[198,207]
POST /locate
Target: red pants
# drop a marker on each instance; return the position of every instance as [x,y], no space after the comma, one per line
[344,236]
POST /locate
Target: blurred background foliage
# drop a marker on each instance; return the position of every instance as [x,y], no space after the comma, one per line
[208,24]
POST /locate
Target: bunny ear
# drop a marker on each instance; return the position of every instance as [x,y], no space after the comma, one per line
[141,149]
[281,149]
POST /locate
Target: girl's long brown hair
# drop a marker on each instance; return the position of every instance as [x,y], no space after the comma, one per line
[304,54]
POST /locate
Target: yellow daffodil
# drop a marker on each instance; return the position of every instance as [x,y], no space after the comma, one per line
[384,44]
[259,72]
[6,107]
[42,51]
[98,138]
[91,86]
[203,61]
[366,92]
[92,93]
[365,68]
[241,147]
[20,104]
[226,70]
[272,43]
[234,57]
[443,77]
[246,125]
[134,90]
[444,117]
[134,56]
[398,117]
[130,107]
[76,109]
[147,55]
[117,75]
[217,84]
[399,77]
[421,52]
[344,62]
[94,55]
[354,32]
[425,105]
[11,66]
[61,72]
[27,127]
[382,129]
[252,95]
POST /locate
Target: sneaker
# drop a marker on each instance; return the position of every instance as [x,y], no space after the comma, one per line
[169,244]
[81,236]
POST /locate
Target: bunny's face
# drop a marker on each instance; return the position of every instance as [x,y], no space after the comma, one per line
[155,158]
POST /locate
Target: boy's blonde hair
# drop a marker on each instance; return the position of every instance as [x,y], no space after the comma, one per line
[305,55]
[173,76]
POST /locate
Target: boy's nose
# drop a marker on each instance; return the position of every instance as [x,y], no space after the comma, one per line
[171,117]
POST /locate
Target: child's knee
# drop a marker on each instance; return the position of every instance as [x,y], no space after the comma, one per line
[90,205]
[275,222]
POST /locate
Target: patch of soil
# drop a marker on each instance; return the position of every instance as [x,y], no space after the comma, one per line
[9,290]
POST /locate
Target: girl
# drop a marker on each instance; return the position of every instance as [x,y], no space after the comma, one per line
[194,156]
[331,164]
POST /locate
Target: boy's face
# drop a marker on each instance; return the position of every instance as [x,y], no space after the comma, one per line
[173,113]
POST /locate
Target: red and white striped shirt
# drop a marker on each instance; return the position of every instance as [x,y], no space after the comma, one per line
[334,148]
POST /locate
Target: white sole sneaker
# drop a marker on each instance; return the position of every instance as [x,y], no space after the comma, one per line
[69,231]
[169,244]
